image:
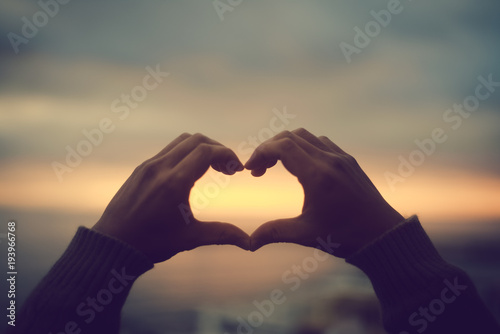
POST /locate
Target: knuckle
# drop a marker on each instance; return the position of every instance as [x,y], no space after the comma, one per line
[284,134]
[149,169]
[265,145]
[339,163]
[198,137]
[259,150]
[350,160]
[334,161]
[300,131]
[141,167]
[287,144]
[203,149]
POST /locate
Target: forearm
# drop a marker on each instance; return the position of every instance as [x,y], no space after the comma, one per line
[419,291]
[86,288]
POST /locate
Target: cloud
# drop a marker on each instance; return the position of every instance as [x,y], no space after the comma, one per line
[226,77]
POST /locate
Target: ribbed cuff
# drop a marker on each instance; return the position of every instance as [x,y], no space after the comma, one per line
[91,256]
[404,267]
[93,263]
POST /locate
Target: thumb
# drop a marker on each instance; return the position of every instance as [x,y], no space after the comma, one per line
[217,233]
[280,230]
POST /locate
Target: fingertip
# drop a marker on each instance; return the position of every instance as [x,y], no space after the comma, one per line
[245,244]
[231,167]
[255,244]
[238,238]
[234,163]
[251,161]
[216,167]
[259,172]
[248,164]
[233,235]
[258,239]
[240,167]
[271,163]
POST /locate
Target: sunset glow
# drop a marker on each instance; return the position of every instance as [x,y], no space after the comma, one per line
[436,195]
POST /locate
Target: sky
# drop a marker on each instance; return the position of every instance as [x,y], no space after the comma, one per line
[232,72]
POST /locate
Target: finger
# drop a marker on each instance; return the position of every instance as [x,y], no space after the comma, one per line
[331,144]
[283,136]
[280,230]
[303,143]
[217,233]
[217,167]
[196,163]
[258,172]
[183,149]
[294,158]
[229,168]
[262,171]
[172,144]
[310,138]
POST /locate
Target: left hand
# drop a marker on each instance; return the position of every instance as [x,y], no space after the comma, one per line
[151,210]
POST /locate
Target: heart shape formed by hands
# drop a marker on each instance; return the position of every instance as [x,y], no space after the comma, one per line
[151,211]
[244,200]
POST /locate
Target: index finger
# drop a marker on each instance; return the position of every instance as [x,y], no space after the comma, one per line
[293,156]
[172,145]
[197,162]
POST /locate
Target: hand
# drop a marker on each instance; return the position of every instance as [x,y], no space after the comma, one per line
[151,210]
[341,204]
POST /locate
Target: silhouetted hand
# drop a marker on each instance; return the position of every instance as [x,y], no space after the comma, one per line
[341,204]
[151,210]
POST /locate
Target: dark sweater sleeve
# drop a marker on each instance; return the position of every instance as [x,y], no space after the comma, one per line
[86,288]
[419,292]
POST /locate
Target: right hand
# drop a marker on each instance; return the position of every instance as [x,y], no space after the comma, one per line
[341,204]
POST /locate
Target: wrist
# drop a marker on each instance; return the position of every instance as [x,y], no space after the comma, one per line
[376,226]
[118,233]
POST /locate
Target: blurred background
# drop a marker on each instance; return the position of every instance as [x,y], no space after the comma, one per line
[90,89]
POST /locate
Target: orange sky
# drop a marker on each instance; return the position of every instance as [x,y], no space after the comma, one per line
[436,193]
